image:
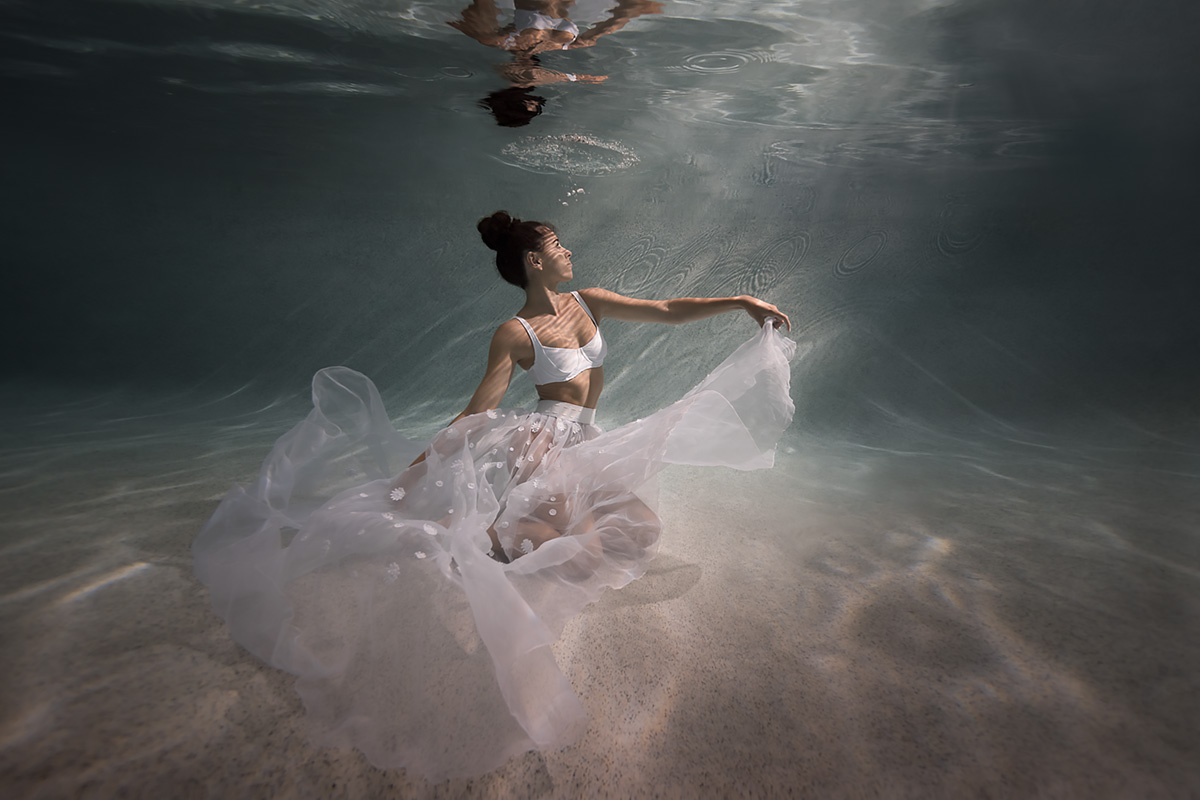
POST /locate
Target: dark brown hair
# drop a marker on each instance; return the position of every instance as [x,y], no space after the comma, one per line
[514,106]
[511,239]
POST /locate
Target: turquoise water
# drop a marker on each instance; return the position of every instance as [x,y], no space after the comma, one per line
[974,568]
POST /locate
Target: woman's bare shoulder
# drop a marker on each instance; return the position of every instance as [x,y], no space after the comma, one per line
[598,296]
[598,291]
[605,303]
[511,338]
[598,300]
[510,331]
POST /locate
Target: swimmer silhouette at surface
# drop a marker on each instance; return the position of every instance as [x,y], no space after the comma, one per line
[541,26]
[417,604]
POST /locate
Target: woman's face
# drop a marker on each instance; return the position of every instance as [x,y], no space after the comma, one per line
[555,259]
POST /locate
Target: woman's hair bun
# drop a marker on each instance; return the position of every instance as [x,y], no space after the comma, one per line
[512,238]
[496,229]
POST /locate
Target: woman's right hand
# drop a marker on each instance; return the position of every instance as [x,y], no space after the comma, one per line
[761,311]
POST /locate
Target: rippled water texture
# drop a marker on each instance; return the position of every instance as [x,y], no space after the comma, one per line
[974,570]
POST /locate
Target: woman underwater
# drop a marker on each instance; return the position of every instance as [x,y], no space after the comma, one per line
[417,609]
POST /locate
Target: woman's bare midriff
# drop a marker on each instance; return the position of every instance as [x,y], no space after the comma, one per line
[582,390]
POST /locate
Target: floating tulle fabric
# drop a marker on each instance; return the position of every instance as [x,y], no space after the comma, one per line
[379,586]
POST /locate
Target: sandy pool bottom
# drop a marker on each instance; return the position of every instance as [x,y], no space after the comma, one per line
[921,622]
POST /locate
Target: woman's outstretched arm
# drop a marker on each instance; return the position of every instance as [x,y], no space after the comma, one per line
[503,354]
[479,22]
[611,305]
[624,11]
[506,349]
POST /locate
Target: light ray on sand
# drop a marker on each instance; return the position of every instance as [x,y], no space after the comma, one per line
[105,580]
[33,590]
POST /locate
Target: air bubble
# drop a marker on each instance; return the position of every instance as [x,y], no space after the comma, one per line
[573,153]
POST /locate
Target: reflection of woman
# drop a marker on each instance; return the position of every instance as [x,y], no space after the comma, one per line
[377,590]
[540,26]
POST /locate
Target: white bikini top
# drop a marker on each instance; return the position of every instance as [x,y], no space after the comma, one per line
[558,364]
[531,20]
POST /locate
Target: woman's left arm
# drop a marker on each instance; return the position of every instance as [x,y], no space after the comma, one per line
[611,305]
[479,22]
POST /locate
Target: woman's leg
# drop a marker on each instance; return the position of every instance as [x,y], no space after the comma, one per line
[617,526]
[628,522]
[497,551]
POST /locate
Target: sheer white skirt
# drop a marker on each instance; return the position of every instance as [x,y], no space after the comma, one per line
[379,587]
